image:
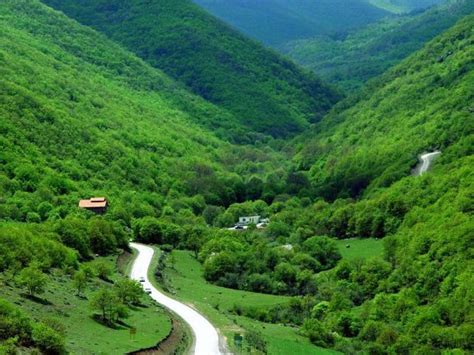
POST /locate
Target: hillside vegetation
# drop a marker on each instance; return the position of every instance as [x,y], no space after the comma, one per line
[64,310]
[275,22]
[360,255]
[78,120]
[264,92]
[350,61]
[417,296]
[82,117]
[373,139]
[183,274]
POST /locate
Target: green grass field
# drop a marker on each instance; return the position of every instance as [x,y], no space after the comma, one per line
[360,248]
[215,302]
[83,334]
[283,340]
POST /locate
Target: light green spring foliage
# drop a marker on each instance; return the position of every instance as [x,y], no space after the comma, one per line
[83,117]
[20,330]
[415,296]
[374,138]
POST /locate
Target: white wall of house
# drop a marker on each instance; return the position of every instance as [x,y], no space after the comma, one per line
[249,219]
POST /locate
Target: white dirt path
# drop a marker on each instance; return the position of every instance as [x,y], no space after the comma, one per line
[206,337]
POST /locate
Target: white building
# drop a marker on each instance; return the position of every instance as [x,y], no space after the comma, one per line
[244,221]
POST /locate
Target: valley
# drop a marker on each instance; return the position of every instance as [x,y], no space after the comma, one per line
[350,177]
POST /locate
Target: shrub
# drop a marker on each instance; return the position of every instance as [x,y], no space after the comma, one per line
[323,249]
[47,339]
[33,279]
[33,217]
[317,333]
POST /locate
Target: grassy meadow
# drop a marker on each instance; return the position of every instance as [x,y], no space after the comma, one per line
[61,306]
[360,248]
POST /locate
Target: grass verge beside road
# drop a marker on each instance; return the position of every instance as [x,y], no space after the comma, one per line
[186,335]
[184,275]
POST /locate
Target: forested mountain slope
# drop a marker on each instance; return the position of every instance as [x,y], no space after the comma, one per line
[275,22]
[350,61]
[418,298]
[81,116]
[264,92]
[373,139]
[125,67]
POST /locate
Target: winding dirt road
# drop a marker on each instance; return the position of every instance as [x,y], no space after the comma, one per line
[426,160]
[206,338]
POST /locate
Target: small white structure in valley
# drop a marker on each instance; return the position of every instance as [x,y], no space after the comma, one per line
[244,222]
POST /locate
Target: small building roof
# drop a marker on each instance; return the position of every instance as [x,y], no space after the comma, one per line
[94,202]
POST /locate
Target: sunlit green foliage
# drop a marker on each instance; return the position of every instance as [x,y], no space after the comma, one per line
[22,245]
[373,139]
[82,117]
[17,329]
[415,296]
[84,127]
[33,280]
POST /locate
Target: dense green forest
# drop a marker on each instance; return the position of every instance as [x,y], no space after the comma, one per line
[83,116]
[349,61]
[264,92]
[62,94]
[275,22]
[372,139]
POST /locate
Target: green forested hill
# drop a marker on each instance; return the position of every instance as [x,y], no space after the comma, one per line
[121,66]
[418,298]
[264,92]
[275,22]
[373,138]
[81,116]
[349,62]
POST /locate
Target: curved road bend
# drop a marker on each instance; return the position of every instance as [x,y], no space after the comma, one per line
[426,160]
[206,339]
